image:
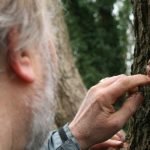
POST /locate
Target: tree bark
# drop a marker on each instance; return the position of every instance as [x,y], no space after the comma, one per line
[139,128]
[71,89]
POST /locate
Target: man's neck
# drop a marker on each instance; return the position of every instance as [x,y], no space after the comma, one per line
[5,130]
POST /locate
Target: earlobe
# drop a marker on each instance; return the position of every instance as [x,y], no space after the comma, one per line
[22,67]
[19,60]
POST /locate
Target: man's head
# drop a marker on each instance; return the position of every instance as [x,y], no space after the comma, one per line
[27,78]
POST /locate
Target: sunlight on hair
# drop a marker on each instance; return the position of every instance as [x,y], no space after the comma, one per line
[31,17]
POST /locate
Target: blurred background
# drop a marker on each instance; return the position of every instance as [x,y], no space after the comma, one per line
[102,37]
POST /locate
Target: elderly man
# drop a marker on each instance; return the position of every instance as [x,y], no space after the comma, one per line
[27,79]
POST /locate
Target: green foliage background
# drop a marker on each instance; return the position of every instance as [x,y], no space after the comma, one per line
[98,38]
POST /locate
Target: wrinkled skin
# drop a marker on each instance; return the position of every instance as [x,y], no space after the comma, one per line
[97,120]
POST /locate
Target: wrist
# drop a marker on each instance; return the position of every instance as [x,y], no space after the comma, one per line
[81,138]
[71,136]
[62,139]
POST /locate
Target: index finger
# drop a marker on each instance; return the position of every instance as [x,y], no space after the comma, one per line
[126,83]
[109,80]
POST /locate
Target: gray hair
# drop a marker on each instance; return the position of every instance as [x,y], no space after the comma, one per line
[32,19]
[30,16]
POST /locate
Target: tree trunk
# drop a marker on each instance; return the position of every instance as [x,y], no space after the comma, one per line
[139,128]
[71,90]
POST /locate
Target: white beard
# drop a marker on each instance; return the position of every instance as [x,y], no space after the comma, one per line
[43,109]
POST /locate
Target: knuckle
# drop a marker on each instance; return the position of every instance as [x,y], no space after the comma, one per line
[141,75]
[123,76]
[93,89]
[123,80]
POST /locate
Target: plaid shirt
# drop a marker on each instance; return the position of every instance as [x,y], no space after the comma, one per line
[55,141]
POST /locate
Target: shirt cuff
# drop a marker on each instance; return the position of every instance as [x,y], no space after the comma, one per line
[70,135]
[55,142]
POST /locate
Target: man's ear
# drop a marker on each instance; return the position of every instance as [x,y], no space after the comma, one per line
[19,60]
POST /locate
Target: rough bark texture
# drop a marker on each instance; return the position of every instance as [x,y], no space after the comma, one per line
[71,90]
[140,124]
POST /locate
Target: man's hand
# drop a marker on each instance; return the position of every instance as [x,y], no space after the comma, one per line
[96,120]
[115,143]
